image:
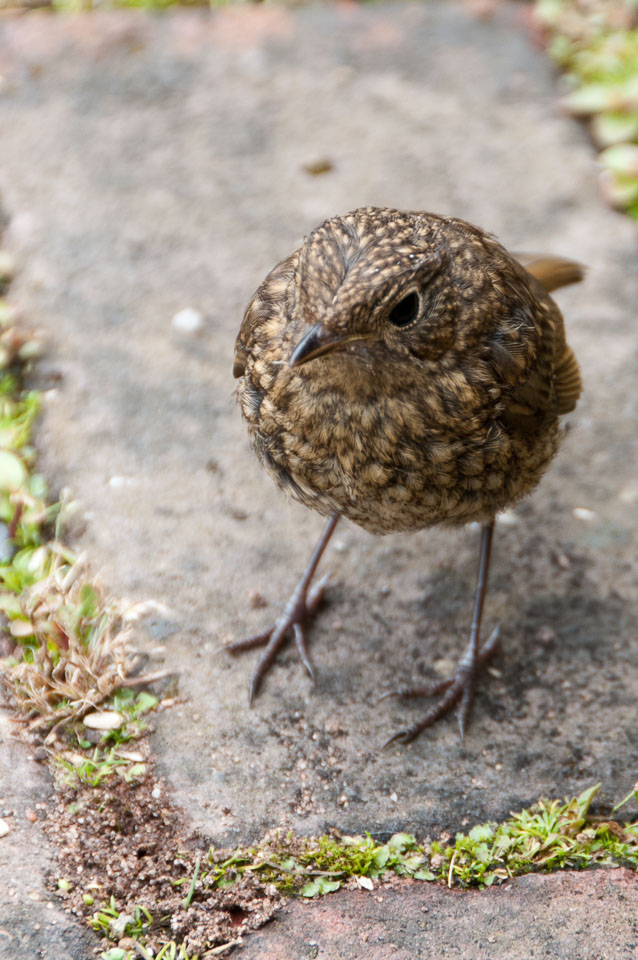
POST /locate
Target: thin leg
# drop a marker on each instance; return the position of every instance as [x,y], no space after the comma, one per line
[469,660]
[299,610]
[461,685]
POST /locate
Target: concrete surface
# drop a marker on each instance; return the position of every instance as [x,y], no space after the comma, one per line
[572,917]
[156,163]
[33,923]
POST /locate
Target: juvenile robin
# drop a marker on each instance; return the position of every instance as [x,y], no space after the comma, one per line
[402,369]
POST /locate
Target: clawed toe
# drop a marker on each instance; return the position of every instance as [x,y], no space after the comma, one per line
[459,687]
[273,640]
[300,609]
[248,643]
[292,621]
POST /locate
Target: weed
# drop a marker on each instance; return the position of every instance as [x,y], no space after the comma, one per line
[111,923]
[70,645]
[597,46]
[549,835]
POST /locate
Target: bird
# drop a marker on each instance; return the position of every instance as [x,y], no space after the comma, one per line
[402,369]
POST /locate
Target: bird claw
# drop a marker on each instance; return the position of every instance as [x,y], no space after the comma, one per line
[458,687]
[301,608]
[302,649]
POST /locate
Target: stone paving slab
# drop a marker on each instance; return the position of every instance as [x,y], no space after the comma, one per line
[571,916]
[32,923]
[151,164]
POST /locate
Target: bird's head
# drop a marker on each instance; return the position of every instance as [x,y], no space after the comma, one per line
[378,282]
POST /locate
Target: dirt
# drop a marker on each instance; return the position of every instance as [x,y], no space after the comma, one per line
[127,841]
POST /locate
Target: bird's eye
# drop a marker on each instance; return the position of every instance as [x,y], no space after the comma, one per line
[405,311]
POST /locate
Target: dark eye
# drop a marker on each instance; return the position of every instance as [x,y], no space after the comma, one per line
[405,311]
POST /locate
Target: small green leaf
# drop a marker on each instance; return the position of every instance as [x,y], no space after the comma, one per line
[481,831]
[482,853]
[584,800]
[401,841]
[89,606]
[319,886]
[610,128]
[38,486]
[412,863]
[382,855]
[591,98]
[10,605]
[424,875]
[137,770]
[633,793]
[13,474]
[622,159]
[145,702]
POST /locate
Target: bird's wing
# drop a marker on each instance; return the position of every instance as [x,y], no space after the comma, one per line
[551,384]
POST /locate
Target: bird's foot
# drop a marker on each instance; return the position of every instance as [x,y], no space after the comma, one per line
[299,611]
[458,687]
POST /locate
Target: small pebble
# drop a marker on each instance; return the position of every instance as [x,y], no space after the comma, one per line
[133,755]
[256,600]
[507,519]
[118,482]
[156,793]
[318,167]
[21,628]
[4,828]
[443,666]
[188,321]
[629,494]
[546,635]
[104,720]
[584,513]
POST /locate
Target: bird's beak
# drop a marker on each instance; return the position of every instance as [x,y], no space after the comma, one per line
[316,342]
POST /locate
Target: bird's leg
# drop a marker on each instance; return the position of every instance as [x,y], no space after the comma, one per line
[461,685]
[301,607]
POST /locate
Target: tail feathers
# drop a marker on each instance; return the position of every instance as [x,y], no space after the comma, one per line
[551,272]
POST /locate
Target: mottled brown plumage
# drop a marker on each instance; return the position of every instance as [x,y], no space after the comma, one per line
[402,369]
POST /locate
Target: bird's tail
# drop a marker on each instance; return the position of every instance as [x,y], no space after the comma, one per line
[551,272]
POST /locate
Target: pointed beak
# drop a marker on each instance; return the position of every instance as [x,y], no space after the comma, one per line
[316,342]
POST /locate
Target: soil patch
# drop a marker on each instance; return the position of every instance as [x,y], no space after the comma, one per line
[125,844]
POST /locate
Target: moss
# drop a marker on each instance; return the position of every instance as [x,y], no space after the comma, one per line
[550,835]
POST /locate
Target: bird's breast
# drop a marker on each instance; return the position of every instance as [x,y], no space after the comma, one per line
[388,459]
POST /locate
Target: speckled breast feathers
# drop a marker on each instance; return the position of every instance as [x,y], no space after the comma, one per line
[403,369]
